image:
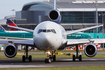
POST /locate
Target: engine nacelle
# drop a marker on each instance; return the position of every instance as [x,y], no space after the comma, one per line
[90,50]
[10,50]
[55,16]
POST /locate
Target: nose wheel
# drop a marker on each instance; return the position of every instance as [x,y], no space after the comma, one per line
[50,58]
[47,60]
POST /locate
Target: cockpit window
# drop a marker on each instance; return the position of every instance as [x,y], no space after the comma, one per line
[43,30]
[47,30]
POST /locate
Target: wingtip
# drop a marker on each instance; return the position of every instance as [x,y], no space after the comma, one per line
[101,25]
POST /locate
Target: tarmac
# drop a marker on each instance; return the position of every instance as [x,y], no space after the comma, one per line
[39,63]
[60,62]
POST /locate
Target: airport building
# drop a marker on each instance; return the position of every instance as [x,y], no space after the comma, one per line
[75,14]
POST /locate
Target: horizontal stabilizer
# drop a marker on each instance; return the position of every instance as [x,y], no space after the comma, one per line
[24,29]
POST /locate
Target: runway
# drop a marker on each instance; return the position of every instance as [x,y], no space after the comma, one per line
[38,63]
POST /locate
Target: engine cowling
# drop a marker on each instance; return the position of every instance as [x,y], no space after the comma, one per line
[55,16]
[90,50]
[10,50]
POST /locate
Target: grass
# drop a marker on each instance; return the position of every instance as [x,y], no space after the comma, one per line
[64,68]
[65,51]
[79,51]
[44,56]
[20,53]
[83,56]
[61,51]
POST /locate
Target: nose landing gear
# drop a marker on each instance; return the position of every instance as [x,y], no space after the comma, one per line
[50,57]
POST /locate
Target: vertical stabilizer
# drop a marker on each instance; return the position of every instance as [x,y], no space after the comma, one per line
[54,4]
[11,23]
[54,15]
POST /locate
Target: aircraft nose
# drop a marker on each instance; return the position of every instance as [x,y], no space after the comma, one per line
[47,38]
[47,41]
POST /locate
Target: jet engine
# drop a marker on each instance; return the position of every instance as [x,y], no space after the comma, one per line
[90,50]
[55,16]
[10,50]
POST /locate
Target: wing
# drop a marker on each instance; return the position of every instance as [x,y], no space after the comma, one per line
[98,40]
[84,29]
[17,41]
[71,42]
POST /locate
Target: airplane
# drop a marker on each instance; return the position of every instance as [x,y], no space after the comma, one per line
[14,34]
[78,35]
[49,36]
[71,36]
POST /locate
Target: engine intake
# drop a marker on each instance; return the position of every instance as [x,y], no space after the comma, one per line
[90,50]
[10,50]
[54,15]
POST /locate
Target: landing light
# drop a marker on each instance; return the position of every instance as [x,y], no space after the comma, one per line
[48,52]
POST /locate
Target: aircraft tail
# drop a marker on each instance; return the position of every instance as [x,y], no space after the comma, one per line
[11,23]
[2,29]
[54,4]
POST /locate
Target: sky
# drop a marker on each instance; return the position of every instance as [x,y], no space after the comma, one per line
[6,6]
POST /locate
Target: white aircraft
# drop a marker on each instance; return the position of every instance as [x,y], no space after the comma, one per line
[49,37]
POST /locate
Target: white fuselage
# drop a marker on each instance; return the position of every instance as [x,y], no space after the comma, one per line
[49,35]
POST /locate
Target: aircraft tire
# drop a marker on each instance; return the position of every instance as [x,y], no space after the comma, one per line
[23,58]
[47,60]
[30,58]
[73,57]
[54,57]
[80,57]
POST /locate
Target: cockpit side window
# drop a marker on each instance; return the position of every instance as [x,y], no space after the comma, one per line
[52,30]
[40,30]
[46,30]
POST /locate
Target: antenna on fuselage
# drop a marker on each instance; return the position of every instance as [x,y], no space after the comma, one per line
[54,4]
